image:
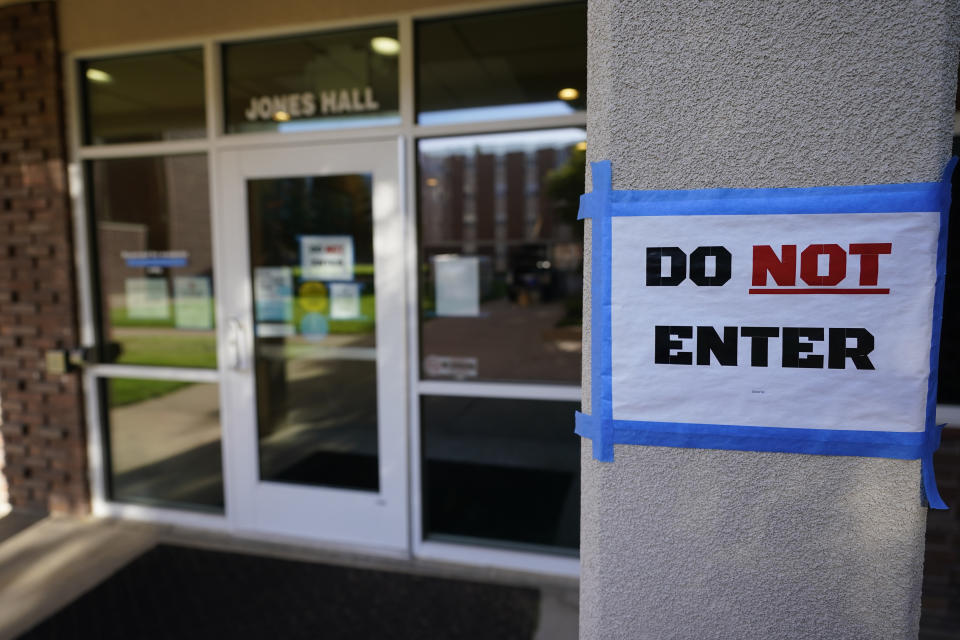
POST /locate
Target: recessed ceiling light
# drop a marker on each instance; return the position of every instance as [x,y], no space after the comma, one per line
[581,146]
[385,46]
[281,116]
[96,75]
[568,94]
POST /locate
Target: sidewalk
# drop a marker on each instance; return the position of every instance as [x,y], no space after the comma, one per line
[50,563]
[54,560]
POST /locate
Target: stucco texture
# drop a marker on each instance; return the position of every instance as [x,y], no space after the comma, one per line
[698,544]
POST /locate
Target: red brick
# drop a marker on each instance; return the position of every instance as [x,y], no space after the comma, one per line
[46,387]
[19,59]
[39,251]
[20,307]
[24,107]
[19,330]
[19,496]
[44,428]
[14,449]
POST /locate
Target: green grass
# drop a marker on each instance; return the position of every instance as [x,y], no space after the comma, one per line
[196,350]
[118,318]
[170,350]
[359,269]
[363,324]
[191,350]
[124,391]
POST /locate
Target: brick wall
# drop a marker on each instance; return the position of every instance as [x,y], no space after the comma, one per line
[42,414]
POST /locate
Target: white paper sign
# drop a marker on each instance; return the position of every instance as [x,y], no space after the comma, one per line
[344,300]
[273,293]
[806,297]
[147,298]
[326,257]
[192,302]
[461,367]
[457,285]
[275,330]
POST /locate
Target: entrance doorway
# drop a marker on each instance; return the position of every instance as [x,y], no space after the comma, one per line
[312,341]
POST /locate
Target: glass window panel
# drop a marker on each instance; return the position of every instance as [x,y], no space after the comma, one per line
[144,98]
[154,264]
[501,256]
[164,442]
[324,80]
[948,388]
[500,470]
[311,250]
[496,66]
[941,566]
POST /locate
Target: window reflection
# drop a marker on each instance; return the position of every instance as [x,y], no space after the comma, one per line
[501,255]
[315,81]
[144,98]
[503,471]
[154,260]
[500,66]
[948,388]
[164,442]
[311,250]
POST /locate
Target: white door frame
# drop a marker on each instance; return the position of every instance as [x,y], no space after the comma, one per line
[373,519]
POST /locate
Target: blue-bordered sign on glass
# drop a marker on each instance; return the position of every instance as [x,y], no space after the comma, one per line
[784,320]
[155,259]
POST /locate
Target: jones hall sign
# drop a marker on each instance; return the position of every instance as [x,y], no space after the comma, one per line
[308,104]
[795,320]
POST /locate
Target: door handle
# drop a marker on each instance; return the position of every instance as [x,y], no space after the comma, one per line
[237,345]
[60,361]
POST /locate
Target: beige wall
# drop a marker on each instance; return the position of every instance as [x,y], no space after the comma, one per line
[93,24]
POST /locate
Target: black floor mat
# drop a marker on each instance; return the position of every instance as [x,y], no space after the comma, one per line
[333,469]
[503,503]
[182,593]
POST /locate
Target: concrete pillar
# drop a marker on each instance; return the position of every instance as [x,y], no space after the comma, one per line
[686,94]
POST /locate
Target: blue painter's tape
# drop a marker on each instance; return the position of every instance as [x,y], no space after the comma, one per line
[873,444]
[601,355]
[583,426]
[156,262]
[926,469]
[879,198]
[933,429]
[603,203]
[591,205]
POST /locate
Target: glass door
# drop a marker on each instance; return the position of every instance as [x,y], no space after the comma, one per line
[314,363]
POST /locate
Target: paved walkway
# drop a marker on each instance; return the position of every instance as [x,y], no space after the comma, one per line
[50,563]
[47,563]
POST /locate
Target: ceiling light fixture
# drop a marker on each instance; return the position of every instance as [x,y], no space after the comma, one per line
[96,75]
[581,146]
[568,94]
[385,46]
[281,116]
